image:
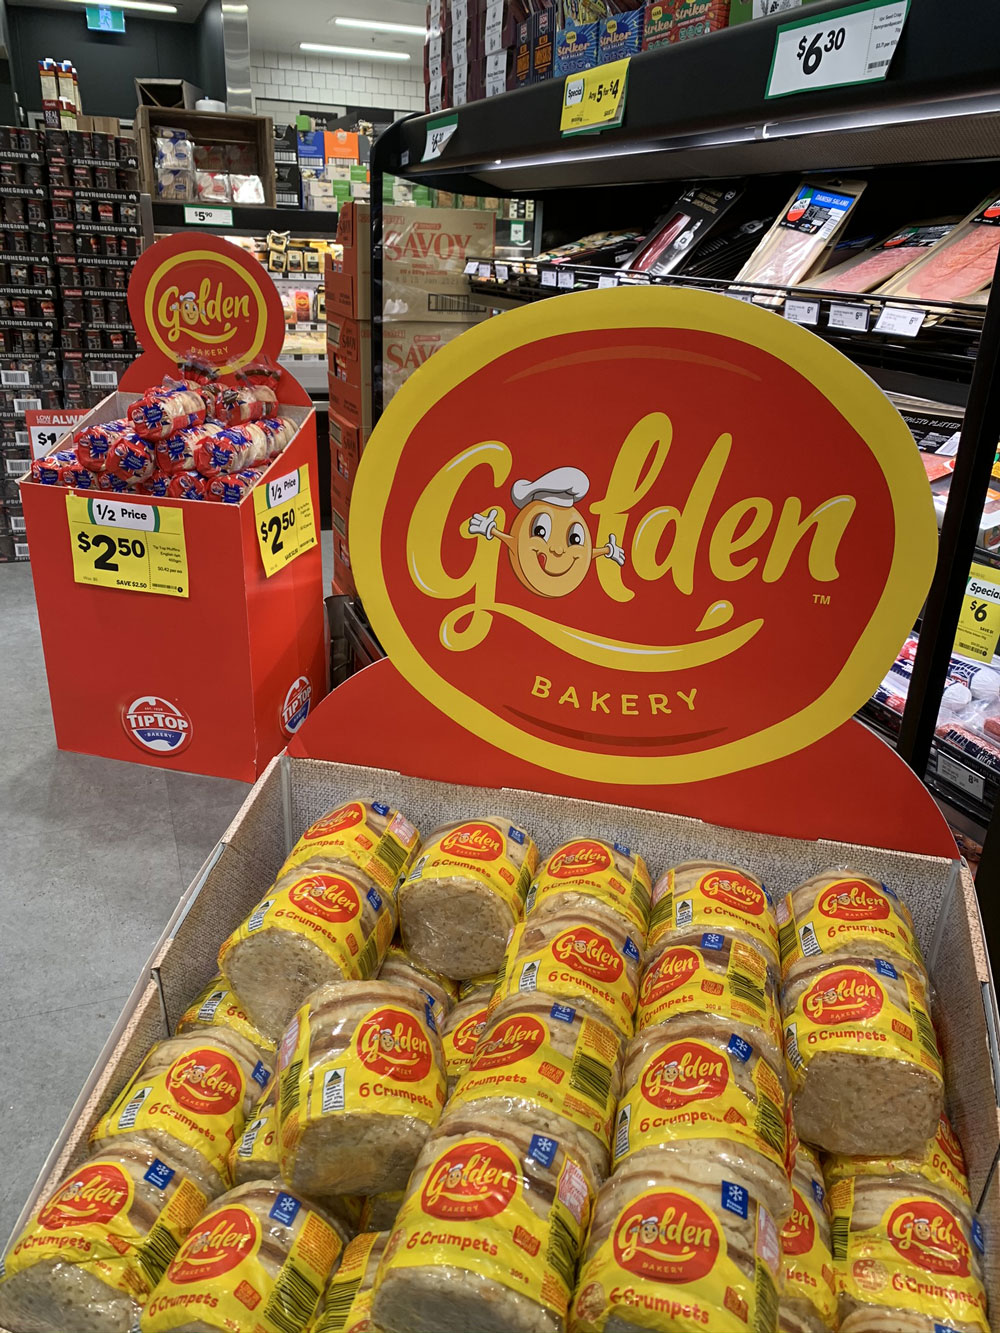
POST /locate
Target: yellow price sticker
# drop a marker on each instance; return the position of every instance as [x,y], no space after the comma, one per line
[285,523]
[124,544]
[595,99]
[979,623]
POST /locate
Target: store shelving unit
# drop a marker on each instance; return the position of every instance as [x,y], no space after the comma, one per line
[696,111]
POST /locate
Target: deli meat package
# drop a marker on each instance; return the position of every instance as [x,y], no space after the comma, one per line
[877,264]
[808,228]
[957,267]
[464,894]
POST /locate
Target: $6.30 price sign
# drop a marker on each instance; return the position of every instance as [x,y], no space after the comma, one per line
[127,545]
[850,45]
[284,516]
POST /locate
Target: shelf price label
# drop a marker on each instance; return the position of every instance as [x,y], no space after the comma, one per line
[960,777]
[208,217]
[46,429]
[595,99]
[853,317]
[979,622]
[128,546]
[904,322]
[283,513]
[439,133]
[846,46]
[802,312]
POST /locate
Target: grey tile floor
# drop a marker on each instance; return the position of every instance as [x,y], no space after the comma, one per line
[95,854]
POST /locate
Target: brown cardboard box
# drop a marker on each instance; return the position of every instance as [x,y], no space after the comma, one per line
[348,282]
[406,346]
[346,444]
[352,403]
[343,576]
[349,349]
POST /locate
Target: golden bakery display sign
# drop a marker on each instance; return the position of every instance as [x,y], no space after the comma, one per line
[642,536]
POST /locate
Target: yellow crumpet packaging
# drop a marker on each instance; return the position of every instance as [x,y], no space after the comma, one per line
[942,1166]
[368,834]
[378,1211]
[590,870]
[900,1247]
[190,1097]
[809,1293]
[254,1155]
[689,1250]
[258,1260]
[698,896]
[483,985]
[719,980]
[318,923]
[463,1027]
[402,970]
[348,1304]
[218,1006]
[583,959]
[97,1245]
[488,1235]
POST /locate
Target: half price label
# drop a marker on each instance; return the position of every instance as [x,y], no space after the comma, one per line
[286,526]
[128,546]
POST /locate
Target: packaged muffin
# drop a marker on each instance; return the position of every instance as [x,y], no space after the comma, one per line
[592,873]
[463,1027]
[942,1165]
[699,896]
[369,835]
[719,980]
[487,1237]
[863,1058]
[583,959]
[465,892]
[348,1305]
[254,1155]
[706,1087]
[548,1065]
[96,1247]
[681,1242]
[318,923]
[402,970]
[189,1099]
[841,912]
[218,1006]
[362,1086]
[808,1302]
[906,1257]
[259,1258]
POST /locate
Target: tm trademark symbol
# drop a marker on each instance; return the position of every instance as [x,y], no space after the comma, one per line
[821,599]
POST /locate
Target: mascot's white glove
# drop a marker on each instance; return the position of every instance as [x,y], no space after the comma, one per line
[484,525]
[615,552]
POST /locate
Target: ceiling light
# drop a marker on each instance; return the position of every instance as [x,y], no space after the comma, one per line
[355,52]
[378,25]
[132,4]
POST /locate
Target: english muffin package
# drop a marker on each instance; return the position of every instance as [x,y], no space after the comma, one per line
[488,1236]
[369,835]
[219,1007]
[260,1258]
[708,896]
[348,1304]
[465,892]
[97,1245]
[190,1099]
[593,873]
[362,1086]
[808,1302]
[318,923]
[463,1027]
[863,1058]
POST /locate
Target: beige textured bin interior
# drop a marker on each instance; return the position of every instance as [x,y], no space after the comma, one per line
[294,792]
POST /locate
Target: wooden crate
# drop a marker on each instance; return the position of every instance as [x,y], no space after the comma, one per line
[207,127]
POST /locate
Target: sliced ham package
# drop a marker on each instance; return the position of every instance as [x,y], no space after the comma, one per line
[960,265]
[879,263]
[798,241]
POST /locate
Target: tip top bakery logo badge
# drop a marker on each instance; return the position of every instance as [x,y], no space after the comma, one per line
[854,900]
[205,1081]
[221,1242]
[928,1235]
[513,1039]
[609,581]
[327,897]
[476,1179]
[393,1044]
[578,858]
[684,1072]
[295,708]
[668,1237]
[157,725]
[92,1196]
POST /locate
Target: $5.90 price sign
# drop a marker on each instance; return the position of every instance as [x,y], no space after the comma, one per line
[127,545]
[851,45]
[595,99]
[284,515]
[979,622]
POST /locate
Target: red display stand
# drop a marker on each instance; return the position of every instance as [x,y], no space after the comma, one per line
[217,681]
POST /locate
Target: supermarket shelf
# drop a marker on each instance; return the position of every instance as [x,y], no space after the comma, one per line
[248,220]
[685,117]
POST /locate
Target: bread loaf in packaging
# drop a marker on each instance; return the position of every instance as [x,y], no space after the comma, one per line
[708,896]
[716,980]
[942,1165]
[189,1099]
[97,1245]
[348,1304]
[551,1066]
[596,875]
[863,1057]
[318,923]
[488,1235]
[907,1258]
[362,1086]
[463,1027]
[254,1155]
[581,958]
[808,1302]
[840,912]
[259,1258]
[402,970]
[368,835]
[707,1089]
[678,1241]
[218,1006]
[465,892]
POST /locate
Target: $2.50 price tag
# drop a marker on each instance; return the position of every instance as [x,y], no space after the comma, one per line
[851,45]
[979,622]
[595,99]
[284,515]
[128,545]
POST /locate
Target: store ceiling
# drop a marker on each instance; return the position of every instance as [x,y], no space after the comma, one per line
[277,27]
[187,10]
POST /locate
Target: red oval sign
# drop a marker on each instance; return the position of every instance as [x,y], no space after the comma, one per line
[929,1235]
[474,841]
[576,859]
[671,970]
[684,1072]
[854,900]
[799,1233]
[512,1039]
[585,951]
[206,1082]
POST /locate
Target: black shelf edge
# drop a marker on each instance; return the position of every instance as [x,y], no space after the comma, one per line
[248,218]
